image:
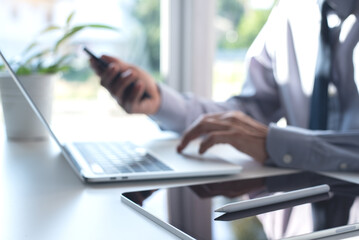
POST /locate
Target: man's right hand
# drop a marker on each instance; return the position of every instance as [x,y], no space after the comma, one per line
[119,75]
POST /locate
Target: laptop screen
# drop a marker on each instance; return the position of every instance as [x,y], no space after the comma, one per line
[191,209]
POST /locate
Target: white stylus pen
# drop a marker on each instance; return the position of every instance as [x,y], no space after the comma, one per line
[278,198]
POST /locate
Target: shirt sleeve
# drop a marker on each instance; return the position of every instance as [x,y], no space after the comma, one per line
[177,111]
[259,97]
[294,147]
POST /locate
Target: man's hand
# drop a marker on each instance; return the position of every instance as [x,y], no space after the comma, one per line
[234,128]
[118,76]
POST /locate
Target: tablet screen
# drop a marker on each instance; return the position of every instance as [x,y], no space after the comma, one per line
[191,209]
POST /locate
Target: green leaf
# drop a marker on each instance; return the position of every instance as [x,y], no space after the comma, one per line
[24,70]
[31,46]
[68,35]
[35,62]
[59,66]
[53,69]
[69,18]
[37,55]
[101,26]
[50,28]
[78,28]
[35,43]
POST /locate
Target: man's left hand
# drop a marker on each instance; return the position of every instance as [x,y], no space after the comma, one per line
[234,128]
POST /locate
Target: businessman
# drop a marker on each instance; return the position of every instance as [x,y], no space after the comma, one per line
[302,66]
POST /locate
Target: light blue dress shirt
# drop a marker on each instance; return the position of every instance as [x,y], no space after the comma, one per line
[279,83]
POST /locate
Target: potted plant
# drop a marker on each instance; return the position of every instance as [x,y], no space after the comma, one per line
[40,62]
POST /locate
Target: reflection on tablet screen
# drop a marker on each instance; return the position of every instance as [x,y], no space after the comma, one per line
[191,209]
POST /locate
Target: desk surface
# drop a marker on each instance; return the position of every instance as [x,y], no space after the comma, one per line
[42,198]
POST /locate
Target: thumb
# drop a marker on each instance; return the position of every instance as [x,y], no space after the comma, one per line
[111,59]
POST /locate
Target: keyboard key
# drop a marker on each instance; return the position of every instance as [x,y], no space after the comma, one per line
[112,158]
[136,167]
[111,170]
[96,168]
[150,166]
[123,169]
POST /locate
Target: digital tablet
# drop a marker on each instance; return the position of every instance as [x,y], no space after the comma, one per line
[328,209]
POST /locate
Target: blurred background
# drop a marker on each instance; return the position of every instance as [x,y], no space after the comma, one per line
[140,40]
[143,39]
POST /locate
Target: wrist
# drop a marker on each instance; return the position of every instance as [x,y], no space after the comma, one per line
[156,100]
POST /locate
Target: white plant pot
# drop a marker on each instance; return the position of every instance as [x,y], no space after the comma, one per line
[21,123]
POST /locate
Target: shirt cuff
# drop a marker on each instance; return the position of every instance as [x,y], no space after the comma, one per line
[288,147]
[171,114]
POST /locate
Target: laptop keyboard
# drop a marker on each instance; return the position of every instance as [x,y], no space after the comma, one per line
[115,157]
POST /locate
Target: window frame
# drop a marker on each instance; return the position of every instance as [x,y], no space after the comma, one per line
[188,45]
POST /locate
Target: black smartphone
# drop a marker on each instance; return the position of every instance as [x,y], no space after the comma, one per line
[101,62]
[105,64]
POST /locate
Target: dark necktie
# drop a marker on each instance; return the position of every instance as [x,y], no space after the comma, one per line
[319,102]
[333,212]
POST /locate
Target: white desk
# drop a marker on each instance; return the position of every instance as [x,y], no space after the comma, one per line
[42,198]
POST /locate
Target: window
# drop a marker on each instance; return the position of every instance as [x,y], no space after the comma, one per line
[237,23]
[137,42]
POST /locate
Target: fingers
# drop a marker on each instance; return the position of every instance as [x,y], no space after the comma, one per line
[137,92]
[96,66]
[213,139]
[123,86]
[111,59]
[204,126]
[118,81]
[243,120]
[100,68]
[128,84]
[111,74]
[234,128]
[134,98]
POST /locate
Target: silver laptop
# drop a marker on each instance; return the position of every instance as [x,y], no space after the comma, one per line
[109,161]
